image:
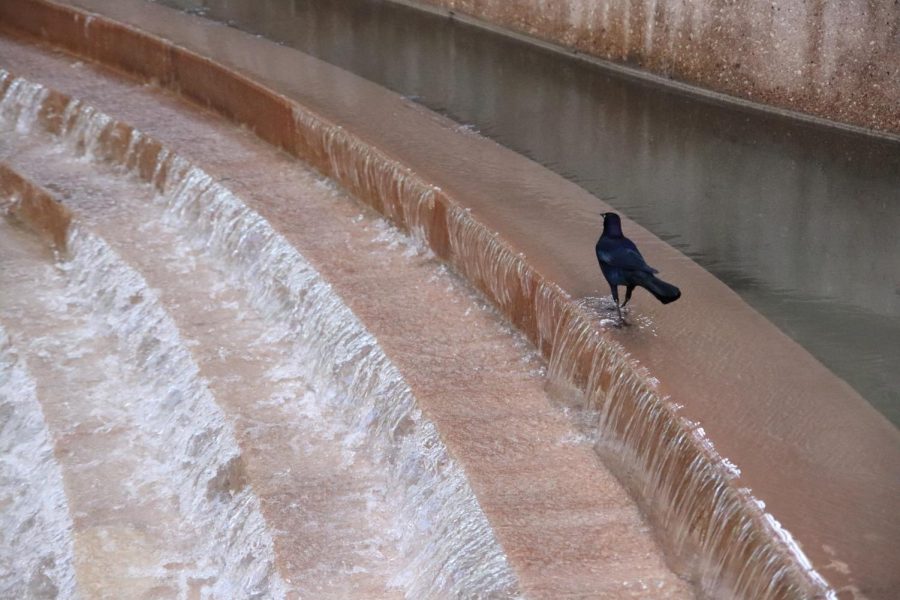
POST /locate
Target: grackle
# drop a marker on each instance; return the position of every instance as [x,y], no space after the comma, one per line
[622,264]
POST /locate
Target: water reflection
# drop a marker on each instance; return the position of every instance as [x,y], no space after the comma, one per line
[801,221]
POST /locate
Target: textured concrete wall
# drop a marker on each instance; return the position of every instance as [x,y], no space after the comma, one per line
[837,59]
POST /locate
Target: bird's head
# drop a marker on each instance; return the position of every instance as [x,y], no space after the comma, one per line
[612,224]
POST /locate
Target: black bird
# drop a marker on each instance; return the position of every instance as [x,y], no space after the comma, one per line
[622,264]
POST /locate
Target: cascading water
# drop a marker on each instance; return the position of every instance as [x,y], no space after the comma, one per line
[452,547]
[36,555]
[711,529]
[205,451]
[115,377]
[264,94]
[370,174]
[21,102]
[723,538]
[446,544]
[715,531]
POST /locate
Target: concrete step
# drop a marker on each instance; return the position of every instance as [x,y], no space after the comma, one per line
[329,505]
[137,450]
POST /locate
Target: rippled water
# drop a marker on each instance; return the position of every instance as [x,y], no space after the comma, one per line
[800,220]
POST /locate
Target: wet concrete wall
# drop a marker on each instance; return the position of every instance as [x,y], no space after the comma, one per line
[832,59]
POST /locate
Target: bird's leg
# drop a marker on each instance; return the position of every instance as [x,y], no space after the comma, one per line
[615,296]
[628,290]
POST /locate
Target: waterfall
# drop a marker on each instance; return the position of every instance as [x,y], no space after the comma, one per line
[447,546]
[36,555]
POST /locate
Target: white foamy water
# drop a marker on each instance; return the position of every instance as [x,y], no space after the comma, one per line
[183,420]
[144,453]
[21,102]
[333,374]
[446,541]
[36,555]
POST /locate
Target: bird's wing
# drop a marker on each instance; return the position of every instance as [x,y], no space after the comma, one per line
[621,253]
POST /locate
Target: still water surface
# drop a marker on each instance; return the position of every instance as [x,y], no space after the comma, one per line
[800,220]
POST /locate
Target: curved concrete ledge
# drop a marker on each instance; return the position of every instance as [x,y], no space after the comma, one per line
[825,464]
[50,220]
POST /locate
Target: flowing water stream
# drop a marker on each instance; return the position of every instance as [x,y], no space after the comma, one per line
[35,509]
[242,413]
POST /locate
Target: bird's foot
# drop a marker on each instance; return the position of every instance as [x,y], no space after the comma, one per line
[606,309]
[622,313]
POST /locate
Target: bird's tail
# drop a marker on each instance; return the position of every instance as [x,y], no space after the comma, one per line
[664,292]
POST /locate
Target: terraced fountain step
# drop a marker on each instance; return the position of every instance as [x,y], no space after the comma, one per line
[804,443]
[333,530]
[322,498]
[134,467]
[809,451]
[566,527]
[36,549]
